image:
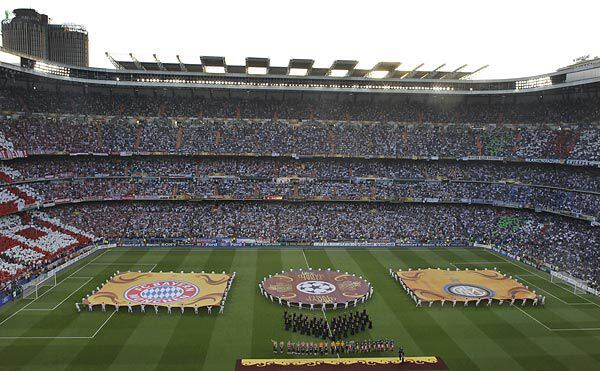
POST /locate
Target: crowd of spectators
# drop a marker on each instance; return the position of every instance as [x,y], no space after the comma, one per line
[267,137]
[541,111]
[569,177]
[33,242]
[43,134]
[568,244]
[309,178]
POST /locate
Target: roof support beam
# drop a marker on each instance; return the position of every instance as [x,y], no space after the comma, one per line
[137,63]
[114,63]
[181,64]
[414,71]
[433,73]
[383,70]
[159,63]
[452,75]
[474,72]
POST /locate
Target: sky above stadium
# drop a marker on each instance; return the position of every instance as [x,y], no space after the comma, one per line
[516,38]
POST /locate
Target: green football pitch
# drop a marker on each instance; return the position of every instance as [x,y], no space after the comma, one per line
[48,333]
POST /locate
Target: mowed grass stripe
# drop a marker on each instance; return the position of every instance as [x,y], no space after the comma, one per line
[144,347]
[588,344]
[9,309]
[391,296]
[236,325]
[536,273]
[551,310]
[101,351]
[267,318]
[69,322]
[176,353]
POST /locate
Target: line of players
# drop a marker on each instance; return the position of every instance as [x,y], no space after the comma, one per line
[310,348]
[341,326]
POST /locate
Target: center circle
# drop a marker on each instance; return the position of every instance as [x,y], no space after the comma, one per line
[322,288]
[315,287]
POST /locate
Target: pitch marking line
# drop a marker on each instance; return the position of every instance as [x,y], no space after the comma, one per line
[533,318]
[122,264]
[103,324]
[65,299]
[322,310]
[475,263]
[62,337]
[545,279]
[548,292]
[72,275]
[557,329]
[42,337]
[576,329]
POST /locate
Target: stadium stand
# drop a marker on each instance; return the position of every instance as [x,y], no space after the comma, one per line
[520,175]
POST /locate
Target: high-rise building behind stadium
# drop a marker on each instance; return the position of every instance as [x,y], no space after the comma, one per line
[30,33]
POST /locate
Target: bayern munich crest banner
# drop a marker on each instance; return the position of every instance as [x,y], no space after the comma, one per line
[162,289]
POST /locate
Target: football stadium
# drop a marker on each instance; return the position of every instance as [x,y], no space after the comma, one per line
[177,214]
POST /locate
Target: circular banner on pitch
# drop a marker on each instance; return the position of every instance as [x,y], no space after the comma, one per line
[332,289]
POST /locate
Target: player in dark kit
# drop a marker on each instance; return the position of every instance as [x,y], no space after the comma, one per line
[401,354]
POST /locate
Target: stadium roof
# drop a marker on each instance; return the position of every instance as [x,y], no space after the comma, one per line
[297,67]
[299,76]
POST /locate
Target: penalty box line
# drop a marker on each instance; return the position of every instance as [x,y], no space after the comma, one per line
[548,292]
[544,278]
[61,337]
[44,293]
[65,299]
[556,329]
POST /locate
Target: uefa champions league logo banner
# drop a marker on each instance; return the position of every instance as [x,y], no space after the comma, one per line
[316,288]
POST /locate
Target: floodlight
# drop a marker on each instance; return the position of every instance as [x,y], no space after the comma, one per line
[377,74]
[338,73]
[298,71]
[257,70]
[214,69]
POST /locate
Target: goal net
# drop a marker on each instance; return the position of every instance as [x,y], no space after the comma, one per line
[33,290]
[577,285]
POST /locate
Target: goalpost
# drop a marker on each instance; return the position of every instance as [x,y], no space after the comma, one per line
[579,286]
[32,290]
